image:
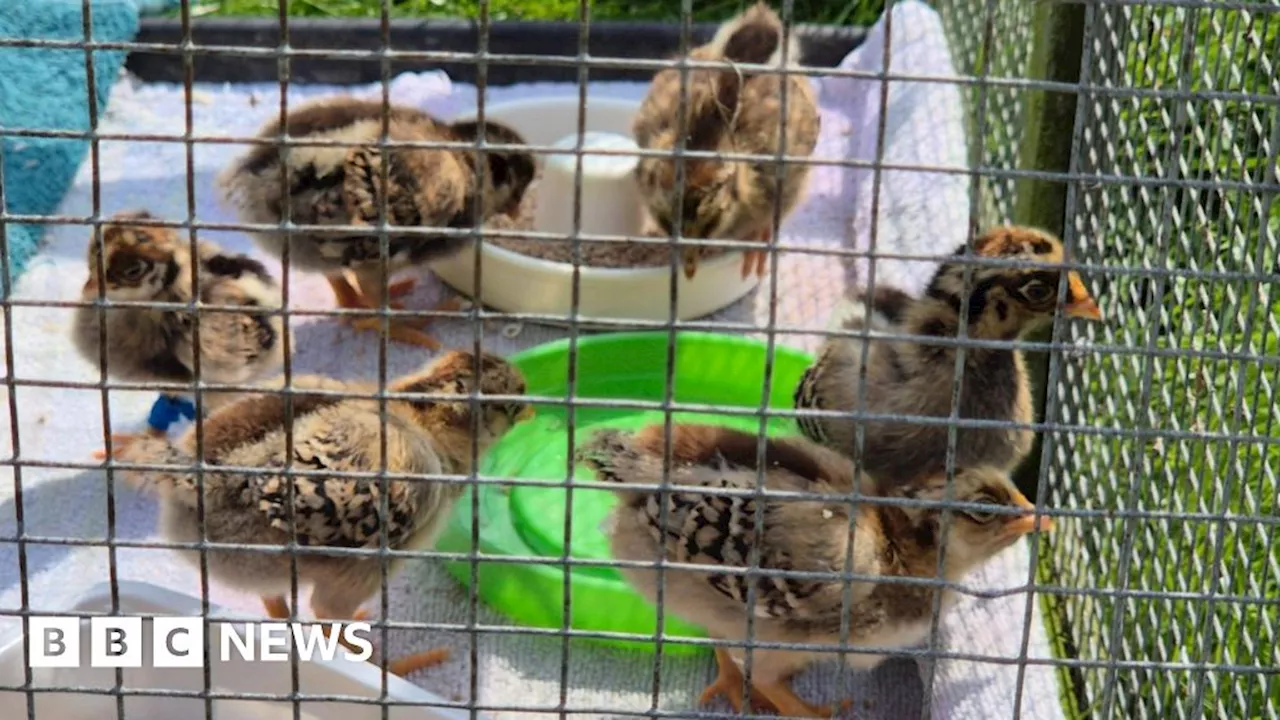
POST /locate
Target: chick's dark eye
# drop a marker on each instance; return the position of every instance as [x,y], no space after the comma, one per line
[1037,292]
[979,516]
[512,410]
[133,271]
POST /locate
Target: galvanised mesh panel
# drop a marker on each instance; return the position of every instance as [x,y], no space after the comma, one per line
[991,44]
[1171,452]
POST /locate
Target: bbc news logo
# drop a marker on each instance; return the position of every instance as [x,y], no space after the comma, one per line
[178,642]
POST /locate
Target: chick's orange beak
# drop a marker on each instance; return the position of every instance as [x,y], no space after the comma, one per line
[1086,309]
[1082,304]
[527,413]
[1026,524]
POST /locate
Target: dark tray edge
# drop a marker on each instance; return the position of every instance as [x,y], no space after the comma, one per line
[823,46]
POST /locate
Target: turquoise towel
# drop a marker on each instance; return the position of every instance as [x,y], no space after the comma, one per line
[44,88]
[156,7]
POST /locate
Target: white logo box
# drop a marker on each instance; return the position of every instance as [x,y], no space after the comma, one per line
[317,676]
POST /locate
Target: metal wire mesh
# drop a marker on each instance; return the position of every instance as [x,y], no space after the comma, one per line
[1160,585]
[1207,564]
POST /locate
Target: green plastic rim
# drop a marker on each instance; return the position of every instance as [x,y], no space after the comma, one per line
[529,521]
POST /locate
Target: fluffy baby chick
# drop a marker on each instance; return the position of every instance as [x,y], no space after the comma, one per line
[880,311]
[798,536]
[331,435]
[729,111]
[915,378]
[426,188]
[143,263]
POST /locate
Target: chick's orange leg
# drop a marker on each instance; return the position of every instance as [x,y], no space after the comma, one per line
[788,704]
[345,293]
[408,664]
[400,288]
[690,257]
[408,330]
[399,329]
[330,628]
[757,260]
[119,441]
[728,683]
[352,298]
[449,304]
[277,607]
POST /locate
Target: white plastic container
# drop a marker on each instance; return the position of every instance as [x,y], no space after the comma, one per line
[609,202]
[512,282]
[319,677]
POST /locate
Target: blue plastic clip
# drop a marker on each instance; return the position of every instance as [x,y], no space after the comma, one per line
[166,411]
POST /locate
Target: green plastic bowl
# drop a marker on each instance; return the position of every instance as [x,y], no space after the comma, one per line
[529,520]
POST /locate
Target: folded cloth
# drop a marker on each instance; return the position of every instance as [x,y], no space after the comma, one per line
[156,7]
[43,88]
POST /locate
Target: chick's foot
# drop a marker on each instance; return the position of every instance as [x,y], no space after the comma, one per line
[399,329]
[403,330]
[345,294]
[408,664]
[407,330]
[690,257]
[120,441]
[276,606]
[788,704]
[728,683]
[400,288]
[756,261]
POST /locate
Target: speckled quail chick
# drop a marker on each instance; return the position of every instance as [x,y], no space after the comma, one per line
[705,528]
[343,185]
[331,436]
[143,263]
[909,377]
[729,111]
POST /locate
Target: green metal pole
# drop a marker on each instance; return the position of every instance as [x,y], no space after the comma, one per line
[1046,145]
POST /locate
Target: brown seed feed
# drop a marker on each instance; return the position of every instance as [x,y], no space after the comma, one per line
[592,253]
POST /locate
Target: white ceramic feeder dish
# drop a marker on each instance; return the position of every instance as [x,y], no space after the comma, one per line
[512,282]
[318,677]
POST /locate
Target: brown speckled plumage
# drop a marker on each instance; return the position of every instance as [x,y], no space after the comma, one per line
[915,377]
[343,185]
[146,263]
[427,187]
[798,535]
[330,435]
[729,111]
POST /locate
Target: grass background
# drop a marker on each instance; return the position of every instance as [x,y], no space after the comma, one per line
[1168,227]
[1205,229]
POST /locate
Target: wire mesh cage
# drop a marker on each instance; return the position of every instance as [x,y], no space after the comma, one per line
[1178,129]
[1142,133]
